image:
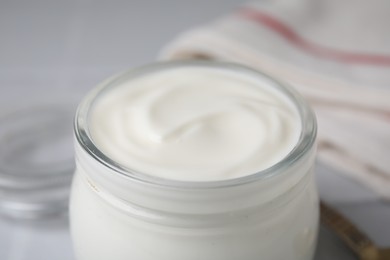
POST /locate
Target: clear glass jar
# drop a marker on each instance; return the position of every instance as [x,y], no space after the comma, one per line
[119,214]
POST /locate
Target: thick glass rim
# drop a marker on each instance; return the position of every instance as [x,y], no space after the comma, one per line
[305,143]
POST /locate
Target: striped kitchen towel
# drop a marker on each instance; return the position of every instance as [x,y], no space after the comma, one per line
[336,53]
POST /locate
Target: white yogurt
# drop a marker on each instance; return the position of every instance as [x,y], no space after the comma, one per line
[194,161]
[195,124]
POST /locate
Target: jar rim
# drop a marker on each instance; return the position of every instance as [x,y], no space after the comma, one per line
[304,144]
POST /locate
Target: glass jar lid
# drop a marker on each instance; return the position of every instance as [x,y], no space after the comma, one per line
[36,160]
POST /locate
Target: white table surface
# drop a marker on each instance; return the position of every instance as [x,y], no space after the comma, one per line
[54,48]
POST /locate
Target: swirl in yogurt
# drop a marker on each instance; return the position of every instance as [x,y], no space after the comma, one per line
[195,124]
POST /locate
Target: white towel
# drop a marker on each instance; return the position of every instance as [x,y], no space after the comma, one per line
[336,53]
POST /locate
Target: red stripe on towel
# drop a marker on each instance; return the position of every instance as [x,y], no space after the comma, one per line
[295,39]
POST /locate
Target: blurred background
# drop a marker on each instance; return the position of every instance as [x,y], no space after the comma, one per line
[53,52]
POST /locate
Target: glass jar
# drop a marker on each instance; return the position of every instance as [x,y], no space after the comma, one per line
[120,214]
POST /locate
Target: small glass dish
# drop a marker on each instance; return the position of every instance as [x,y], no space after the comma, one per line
[36,161]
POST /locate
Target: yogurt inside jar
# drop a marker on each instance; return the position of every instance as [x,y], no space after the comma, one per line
[194,160]
[195,124]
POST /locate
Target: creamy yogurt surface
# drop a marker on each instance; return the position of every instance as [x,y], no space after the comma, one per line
[195,124]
